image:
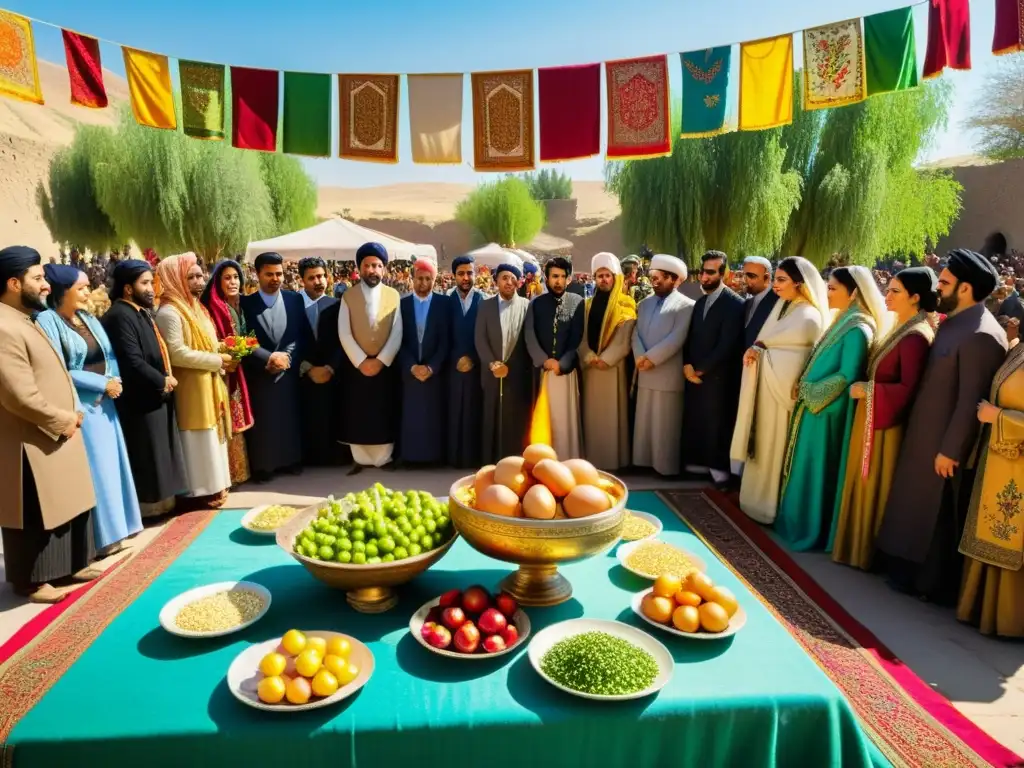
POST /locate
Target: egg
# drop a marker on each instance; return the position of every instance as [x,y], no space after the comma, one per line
[713,617]
[724,598]
[586,500]
[537,452]
[583,472]
[510,473]
[556,476]
[499,500]
[484,479]
[539,503]
[700,583]
[686,618]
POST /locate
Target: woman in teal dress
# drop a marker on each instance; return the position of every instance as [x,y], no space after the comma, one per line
[819,429]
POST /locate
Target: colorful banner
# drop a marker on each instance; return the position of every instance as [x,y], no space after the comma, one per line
[369,117]
[569,101]
[833,65]
[766,83]
[890,51]
[503,120]
[202,99]
[254,108]
[435,118]
[19,72]
[949,37]
[149,85]
[307,114]
[1009,34]
[705,85]
[638,108]
[85,70]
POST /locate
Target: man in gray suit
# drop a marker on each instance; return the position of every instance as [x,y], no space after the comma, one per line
[506,371]
[663,321]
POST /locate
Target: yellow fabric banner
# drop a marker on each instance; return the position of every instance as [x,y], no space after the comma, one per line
[19,72]
[766,83]
[149,84]
[435,118]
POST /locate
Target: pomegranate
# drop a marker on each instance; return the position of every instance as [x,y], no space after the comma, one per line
[494,643]
[453,617]
[492,622]
[467,638]
[440,637]
[450,598]
[475,600]
[507,605]
[427,629]
[510,635]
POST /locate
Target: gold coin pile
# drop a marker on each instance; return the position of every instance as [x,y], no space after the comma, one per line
[220,611]
[654,558]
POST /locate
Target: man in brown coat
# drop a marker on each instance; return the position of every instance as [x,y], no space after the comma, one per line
[46,492]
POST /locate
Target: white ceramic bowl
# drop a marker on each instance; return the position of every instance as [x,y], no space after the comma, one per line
[170,611]
[625,550]
[652,519]
[253,513]
[735,623]
[519,618]
[548,636]
[244,674]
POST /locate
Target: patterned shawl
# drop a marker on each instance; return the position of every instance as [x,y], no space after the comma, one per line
[620,309]
[223,320]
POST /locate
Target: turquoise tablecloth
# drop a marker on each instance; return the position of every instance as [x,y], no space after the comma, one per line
[141,697]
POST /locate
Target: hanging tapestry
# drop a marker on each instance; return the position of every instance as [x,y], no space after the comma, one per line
[202,99]
[307,114]
[254,108]
[85,71]
[833,65]
[503,120]
[570,112]
[369,117]
[638,108]
[705,84]
[435,118]
[1009,35]
[149,85]
[19,72]
[766,83]
[890,51]
[949,37]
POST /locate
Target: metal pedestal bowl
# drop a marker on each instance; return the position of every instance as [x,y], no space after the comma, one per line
[538,547]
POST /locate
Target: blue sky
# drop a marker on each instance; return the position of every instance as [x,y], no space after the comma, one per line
[460,36]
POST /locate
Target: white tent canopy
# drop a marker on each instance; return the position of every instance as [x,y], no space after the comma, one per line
[492,254]
[337,240]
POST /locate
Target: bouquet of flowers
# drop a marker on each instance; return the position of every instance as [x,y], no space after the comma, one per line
[239,346]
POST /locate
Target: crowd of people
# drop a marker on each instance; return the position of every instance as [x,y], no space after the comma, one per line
[885,430]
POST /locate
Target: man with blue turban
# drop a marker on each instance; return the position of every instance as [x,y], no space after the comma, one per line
[464,396]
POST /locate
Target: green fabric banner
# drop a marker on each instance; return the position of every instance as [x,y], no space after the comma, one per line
[202,99]
[307,114]
[705,82]
[890,51]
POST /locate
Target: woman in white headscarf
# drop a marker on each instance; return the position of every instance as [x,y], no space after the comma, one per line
[819,429]
[771,369]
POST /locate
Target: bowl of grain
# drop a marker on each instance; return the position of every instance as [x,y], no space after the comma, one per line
[640,526]
[650,558]
[266,519]
[215,609]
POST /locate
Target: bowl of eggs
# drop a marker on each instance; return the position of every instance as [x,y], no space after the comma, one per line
[538,513]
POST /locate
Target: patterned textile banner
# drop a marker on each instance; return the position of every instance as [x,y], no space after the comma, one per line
[569,100]
[705,83]
[435,118]
[149,85]
[503,120]
[307,114]
[85,70]
[766,83]
[833,65]
[890,51]
[19,72]
[254,108]
[1009,34]
[949,37]
[369,117]
[638,108]
[202,99]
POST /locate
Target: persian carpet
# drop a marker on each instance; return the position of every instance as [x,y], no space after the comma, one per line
[503,120]
[912,725]
[41,659]
[368,118]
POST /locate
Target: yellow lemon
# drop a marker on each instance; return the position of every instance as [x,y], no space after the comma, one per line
[317,644]
[339,646]
[334,664]
[324,684]
[348,674]
[308,663]
[293,642]
[273,664]
[271,689]
[298,690]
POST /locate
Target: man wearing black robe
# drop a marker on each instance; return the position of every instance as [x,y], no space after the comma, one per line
[464,397]
[146,405]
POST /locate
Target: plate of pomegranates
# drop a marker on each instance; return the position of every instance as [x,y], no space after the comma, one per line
[470,624]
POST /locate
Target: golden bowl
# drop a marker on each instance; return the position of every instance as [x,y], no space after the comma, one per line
[370,588]
[538,547]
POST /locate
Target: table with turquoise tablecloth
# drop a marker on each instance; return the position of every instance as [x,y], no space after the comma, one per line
[141,697]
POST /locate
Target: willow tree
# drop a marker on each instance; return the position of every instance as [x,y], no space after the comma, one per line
[502,212]
[997,112]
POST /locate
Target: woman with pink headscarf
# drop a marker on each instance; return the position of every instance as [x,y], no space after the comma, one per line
[202,404]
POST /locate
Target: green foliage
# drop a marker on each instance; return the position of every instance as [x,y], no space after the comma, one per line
[549,184]
[998,110]
[502,212]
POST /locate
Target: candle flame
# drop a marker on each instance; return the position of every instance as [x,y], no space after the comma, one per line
[540,422]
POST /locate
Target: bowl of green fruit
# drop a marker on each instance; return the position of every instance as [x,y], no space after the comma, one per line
[370,542]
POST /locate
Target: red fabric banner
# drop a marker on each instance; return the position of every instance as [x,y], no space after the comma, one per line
[84,70]
[1009,36]
[570,112]
[638,108]
[949,37]
[254,108]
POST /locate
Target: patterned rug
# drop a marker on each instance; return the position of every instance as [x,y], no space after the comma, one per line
[40,661]
[910,723]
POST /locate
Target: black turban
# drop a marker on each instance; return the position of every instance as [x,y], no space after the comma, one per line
[371,249]
[508,268]
[127,272]
[975,270]
[921,281]
[459,261]
[15,261]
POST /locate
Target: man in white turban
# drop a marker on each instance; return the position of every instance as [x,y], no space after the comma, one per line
[663,321]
